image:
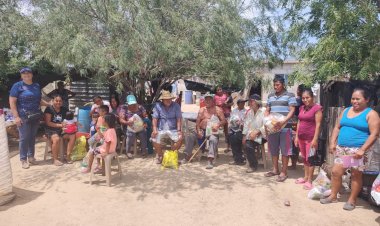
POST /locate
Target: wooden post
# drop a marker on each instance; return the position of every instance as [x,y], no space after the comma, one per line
[332,117]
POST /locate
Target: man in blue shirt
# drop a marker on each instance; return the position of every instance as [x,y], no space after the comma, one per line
[167,123]
[283,102]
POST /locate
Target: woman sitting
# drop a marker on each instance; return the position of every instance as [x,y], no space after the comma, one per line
[54,117]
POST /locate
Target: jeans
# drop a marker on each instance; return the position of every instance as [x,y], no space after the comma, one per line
[213,141]
[27,131]
[251,147]
[236,139]
[131,137]
[190,141]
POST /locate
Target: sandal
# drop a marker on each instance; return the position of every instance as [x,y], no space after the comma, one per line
[300,181]
[348,206]
[281,178]
[327,200]
[57,163]
[271,174]
[307,186]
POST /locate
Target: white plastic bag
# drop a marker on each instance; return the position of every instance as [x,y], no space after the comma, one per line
[214,120]
[321,185]
[375,191]
[271,120]
[138,124]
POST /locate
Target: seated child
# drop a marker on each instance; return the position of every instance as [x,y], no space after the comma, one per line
[94,120]
[109,144]
[71,125]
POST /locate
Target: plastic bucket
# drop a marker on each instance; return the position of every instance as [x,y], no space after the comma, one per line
[188,97]
[84,119]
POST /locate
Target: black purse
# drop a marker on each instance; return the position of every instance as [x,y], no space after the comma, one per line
[36,116]
[315,159]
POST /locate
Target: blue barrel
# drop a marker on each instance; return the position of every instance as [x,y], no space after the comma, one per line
[84,119]
[188,97]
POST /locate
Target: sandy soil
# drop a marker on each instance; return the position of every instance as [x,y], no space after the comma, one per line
[147,195]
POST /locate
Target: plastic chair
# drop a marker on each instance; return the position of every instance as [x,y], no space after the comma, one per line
[122,146]
[107,160]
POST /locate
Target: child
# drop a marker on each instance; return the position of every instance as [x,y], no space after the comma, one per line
[71,125]
[109,144]
[96,139]
[94,118]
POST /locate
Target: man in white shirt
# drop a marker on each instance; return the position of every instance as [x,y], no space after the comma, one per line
[236,123]
[253,131]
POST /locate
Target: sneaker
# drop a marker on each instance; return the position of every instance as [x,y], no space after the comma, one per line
[24,164]
[250,170]
[209,165]
[184,161]
[129,155]
[32,161]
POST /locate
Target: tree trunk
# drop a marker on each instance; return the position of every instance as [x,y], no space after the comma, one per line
[6,194]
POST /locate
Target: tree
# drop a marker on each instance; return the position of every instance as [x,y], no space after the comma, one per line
[131,42]
[334,38]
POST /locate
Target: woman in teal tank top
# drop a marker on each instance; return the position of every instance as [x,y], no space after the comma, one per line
[355,132]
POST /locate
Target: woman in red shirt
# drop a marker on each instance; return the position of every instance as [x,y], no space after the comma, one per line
[308,128]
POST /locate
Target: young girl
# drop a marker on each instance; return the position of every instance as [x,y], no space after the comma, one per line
[109,144]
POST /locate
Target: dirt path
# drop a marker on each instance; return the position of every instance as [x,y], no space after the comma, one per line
[49,195]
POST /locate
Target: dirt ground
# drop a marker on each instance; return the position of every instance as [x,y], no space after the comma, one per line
[147,195]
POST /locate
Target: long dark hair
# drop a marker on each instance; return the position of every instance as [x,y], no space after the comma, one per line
[110,119]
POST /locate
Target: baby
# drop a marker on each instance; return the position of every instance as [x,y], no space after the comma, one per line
[71,124]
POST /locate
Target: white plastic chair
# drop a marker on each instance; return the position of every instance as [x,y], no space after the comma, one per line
[107,161]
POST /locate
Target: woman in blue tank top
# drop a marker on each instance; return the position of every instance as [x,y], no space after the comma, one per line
[355,132]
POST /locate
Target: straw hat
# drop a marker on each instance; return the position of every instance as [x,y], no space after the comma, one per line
[166,95]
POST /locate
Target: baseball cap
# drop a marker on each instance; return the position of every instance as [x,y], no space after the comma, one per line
[255,97]
[26,70]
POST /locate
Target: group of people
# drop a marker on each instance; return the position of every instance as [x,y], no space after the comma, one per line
[355,132]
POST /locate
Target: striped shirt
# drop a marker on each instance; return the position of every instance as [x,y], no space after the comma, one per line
[280,104]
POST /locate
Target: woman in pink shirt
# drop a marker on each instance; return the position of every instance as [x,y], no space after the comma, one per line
[308,128]
[225,102]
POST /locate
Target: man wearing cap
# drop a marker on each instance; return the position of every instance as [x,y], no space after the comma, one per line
[126,120]
[25,101]
[235,135]
[205,115]
[283,102]
[253,131]
[167,123]
[64,93]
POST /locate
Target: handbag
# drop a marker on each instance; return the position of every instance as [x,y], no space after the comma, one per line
[315,158]
[36,116]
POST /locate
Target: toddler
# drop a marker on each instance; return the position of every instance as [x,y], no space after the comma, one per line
[71,125]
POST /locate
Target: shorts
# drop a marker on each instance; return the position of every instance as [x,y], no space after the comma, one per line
[304,146]
[50,132]
[341,151]
[162,135]
[281,140]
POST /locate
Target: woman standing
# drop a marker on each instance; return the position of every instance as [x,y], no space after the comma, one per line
[354,133]
[308,129]
[54,116]
[25,101]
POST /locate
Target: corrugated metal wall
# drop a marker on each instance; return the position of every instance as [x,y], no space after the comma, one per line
[85,91]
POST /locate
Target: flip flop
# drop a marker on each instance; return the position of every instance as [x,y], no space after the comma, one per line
[300,181]
[281,178]
[348,206]
[307,186]
[271,174]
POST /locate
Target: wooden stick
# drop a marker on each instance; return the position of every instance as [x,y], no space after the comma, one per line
[199,148]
